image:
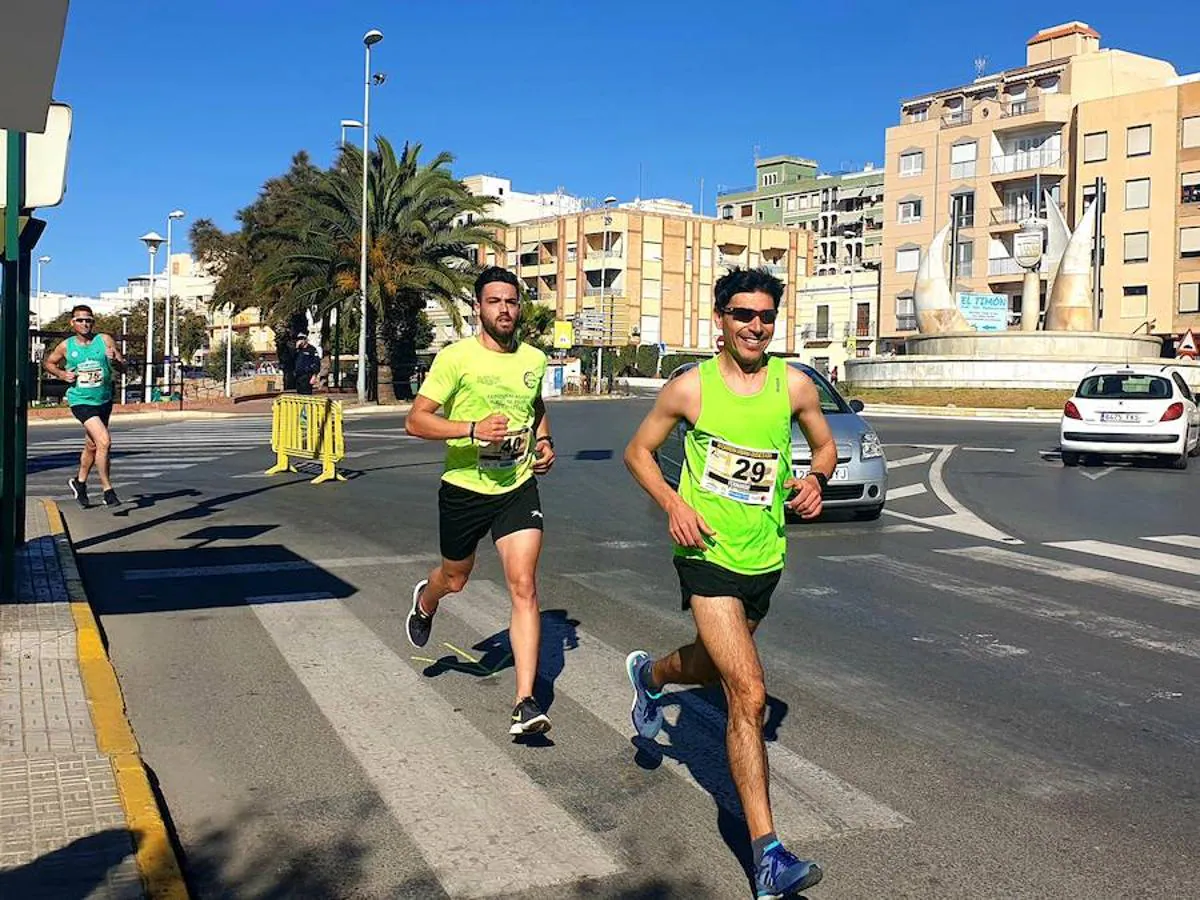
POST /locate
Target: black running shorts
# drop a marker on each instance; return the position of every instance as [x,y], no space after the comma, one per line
[699,578]
[85,411]
[464,517]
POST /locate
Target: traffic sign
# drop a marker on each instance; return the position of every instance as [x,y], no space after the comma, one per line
[1186,348]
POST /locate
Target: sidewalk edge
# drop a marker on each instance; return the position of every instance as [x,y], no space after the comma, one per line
[157,864]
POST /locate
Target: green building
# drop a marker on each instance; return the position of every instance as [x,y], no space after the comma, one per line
[844,210]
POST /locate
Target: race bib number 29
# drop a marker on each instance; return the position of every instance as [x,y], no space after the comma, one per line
[741,474]
[507,453]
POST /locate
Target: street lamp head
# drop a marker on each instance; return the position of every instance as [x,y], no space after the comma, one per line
[608,201]
[43,259]
[152,239]
[176,214]
[351,123]
[372,37]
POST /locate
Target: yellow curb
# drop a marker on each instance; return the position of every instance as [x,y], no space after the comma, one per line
[161,875]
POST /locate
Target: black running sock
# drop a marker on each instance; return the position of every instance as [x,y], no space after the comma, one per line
[761,844]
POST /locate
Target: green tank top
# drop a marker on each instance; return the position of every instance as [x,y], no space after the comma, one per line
[93,373]
[737,456]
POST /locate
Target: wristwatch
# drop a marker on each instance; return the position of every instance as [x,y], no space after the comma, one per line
[547,438]
[822,479]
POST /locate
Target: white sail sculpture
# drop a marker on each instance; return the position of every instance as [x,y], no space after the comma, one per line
[1070,305]
[1058,233]
[937,313]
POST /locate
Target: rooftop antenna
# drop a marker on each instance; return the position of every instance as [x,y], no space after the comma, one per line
[756,154]
[981,63]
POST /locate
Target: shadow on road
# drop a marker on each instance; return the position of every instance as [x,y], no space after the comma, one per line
[72,872]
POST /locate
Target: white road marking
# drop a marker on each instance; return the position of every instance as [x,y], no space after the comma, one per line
[355,454]
[427,762]
[816,531]
[1136,634]
[813,802]
[290,565]
[1025,562]
[1096,476]
[257,475]
[1170,561]
[907,490]
[1177,540]
[989,449]
[917,460]
[624,545]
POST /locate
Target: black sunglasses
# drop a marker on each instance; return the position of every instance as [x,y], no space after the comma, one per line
[84,321]
[745,314]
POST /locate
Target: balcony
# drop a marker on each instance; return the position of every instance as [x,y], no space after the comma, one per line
[956,119]
[1024,107]
[607,291]
[1027,161]
[818,331]
[1004,266]
[777,269]
[611,253]
[729,261]
[1002,217]
[864,329]
[906,323]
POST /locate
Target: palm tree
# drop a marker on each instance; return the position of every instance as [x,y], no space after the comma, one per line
[423,231]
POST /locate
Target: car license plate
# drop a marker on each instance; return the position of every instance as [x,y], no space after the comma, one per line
[1120,417]
[839,474]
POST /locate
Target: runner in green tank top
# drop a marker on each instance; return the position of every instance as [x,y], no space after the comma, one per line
[727,522]
[86,361]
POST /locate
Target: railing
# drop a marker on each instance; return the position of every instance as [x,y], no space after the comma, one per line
[965,268]
[1020,108]
[820,331]
[867,330]
[723,260]
[906,323]
[956,119]
[776,268]
[611,253]
[1005,266]
[962,169]
[1026,160]
[607,291]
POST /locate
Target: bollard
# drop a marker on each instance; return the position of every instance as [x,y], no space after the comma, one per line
[307,428]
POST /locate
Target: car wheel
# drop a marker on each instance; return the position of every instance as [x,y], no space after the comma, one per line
[1070,459]
[870,514]
[1195,450]
[1179,462]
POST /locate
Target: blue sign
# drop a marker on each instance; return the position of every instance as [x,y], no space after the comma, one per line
[984,312]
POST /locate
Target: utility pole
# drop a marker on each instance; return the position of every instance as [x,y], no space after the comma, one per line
[1097,253]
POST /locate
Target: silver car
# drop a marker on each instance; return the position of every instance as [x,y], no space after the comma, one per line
[860,481]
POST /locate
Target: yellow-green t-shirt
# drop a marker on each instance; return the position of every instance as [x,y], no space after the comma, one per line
[470,382]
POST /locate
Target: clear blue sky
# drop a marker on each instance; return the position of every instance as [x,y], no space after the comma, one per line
[194,105]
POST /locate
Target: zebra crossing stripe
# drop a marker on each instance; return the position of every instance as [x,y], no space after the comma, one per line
[1025,562]
[1170,561]
[1127,631]
[481,823]
[809,802]
[1190,541]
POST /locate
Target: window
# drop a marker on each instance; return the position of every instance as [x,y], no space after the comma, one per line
[1137,193]
[965,204]
[962,160]
[1137,140]
[1189,187]
[1137,246]
[907,260]
[912,163]
[792,203]
[919,115]
[1089,194]
[906,318]
[726,212]
[1049,85]
[1189,242]
[1133,301]
[770,178]
[571,249]
[759,215]
[775,202]
[1183,386]
[910,211]
[964,259]
[1190,131]
[747,212]
[1189,297]
[1095,147]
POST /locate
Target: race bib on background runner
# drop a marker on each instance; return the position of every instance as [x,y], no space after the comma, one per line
[740,473]
[505,454]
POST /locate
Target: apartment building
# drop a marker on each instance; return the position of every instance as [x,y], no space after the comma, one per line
[844,210]
[520,206]
[625,275]
[986,153]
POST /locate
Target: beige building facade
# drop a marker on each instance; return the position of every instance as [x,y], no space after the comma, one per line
[987,154]
[632,276]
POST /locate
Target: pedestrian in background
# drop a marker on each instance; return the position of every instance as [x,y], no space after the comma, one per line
[308,365]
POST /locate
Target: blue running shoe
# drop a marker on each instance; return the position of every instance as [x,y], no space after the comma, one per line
[780,874]
[646,714]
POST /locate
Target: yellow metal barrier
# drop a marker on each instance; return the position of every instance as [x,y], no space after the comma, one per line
[309,428]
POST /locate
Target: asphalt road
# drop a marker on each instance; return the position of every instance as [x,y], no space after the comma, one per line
[991,691]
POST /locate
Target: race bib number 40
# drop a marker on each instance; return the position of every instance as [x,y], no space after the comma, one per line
[506,454]
[741,474]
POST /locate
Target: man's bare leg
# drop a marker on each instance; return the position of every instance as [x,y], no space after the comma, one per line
[98,442]
[688,665]
[86,459]
[519,554]
[449,577]
[728,641]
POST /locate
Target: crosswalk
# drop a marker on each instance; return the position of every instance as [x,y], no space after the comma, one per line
[156,451]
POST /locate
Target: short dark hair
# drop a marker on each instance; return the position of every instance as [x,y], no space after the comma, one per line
[78,306]
[746,281]
[492,274]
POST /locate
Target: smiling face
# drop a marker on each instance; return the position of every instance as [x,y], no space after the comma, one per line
[83,323]
[747,323]
[499,311]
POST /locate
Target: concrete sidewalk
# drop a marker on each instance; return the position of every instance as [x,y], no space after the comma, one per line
[77,815]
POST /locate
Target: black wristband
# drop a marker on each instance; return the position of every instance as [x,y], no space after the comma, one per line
[471,432]
[822,479]
[545,437]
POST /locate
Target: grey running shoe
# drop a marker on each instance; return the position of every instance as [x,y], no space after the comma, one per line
[647,715]
[419,623]
[528,718]
[79,490]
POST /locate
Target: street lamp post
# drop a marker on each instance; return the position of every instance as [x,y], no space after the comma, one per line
[608,201]
[152,240]
[349,123]
[124,370]
[229,353]
[170,338]
[370,38]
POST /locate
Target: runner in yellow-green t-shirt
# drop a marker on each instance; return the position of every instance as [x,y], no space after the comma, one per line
[493,421]
[727,523]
